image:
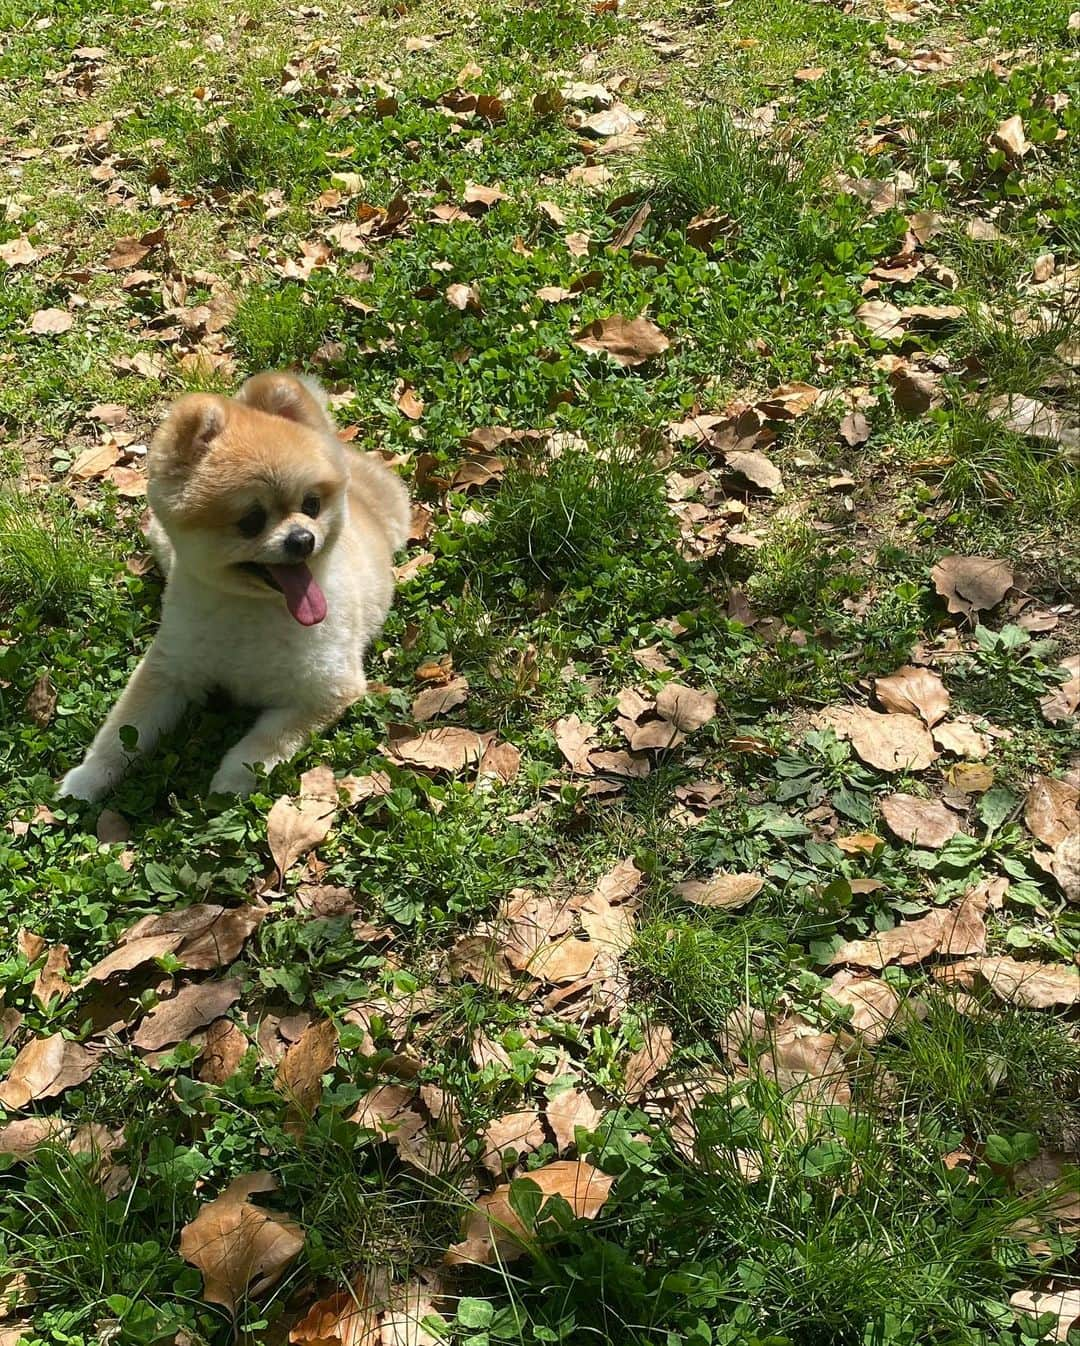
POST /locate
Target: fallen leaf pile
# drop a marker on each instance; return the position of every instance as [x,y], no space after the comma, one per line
[572,943]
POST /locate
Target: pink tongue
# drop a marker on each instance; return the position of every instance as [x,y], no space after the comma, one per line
[303,596]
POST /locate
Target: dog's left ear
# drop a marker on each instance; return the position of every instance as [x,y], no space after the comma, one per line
[292,397]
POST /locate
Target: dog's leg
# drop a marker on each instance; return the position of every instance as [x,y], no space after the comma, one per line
[151,703]
[274,737]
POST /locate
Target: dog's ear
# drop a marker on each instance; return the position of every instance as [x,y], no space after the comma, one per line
[192,425]
[288,395]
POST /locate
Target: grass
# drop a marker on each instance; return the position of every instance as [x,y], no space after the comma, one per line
[987,1070]
[702,160]
[48,556]
[606,553]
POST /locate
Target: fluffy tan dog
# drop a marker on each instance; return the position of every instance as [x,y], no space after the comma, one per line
[277,544]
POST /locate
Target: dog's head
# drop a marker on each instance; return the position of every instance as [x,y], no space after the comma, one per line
[251,490]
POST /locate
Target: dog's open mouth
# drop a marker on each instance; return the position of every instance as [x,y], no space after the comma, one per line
[303,597]
[260,572]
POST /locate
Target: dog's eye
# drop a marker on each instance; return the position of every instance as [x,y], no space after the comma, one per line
[253,522]
[311,506]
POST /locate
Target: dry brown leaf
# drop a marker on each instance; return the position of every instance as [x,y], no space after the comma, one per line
[629,341]
[451,748]
[520,1132]
[132,955]
[971,584]
[970,777]
[462,297]
[576,740]
[211,935]
[810,1069]
[648,1061]
[241,1249]
[1063,700]
[31,945]
[914,691]
[526,921]
[41,703]
[407,1307]
[729,891]
[757,469]
[1032,985]
[1053,1168]
[300,1072]
[568,1111]
[1028,416]
[1062,1300]
[387,1110]
[51,322]
[51,979]
[1010,138]
[633,226]
[129,481]
[494,1232]
[659,734]
[652,657]
[881,319]
[1064,864]
[22,1138]
[1050,810]
[112,828]
[484,959]
[962,739]
[888,742]
[295,828]
[484,197]
[854,429]
[788,401]
[355,789]
[345,1318]
[619,883]
[874,1003]
[959,930]
[126,253]
[18,252]
[610,929]
[860,843]
[175,1019]
[684,707]
[226,1046]
[914,390]
[920,822]
[566,960]
[409,404]
[477,471]
[501,760]
[434,701]
[95,461]
[44,1068]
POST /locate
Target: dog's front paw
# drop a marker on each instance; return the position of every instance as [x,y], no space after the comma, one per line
[232,778]
[86,782]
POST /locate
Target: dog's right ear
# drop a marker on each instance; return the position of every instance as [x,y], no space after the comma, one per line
[190,428]
[292,396]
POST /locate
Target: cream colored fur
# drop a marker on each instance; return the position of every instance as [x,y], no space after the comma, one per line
[222,627]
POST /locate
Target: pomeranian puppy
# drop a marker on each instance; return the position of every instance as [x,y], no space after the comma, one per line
[276,543]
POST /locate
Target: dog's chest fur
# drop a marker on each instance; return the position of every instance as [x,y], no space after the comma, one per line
[254,650]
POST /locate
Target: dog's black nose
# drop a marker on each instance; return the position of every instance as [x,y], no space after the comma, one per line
[300,542]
